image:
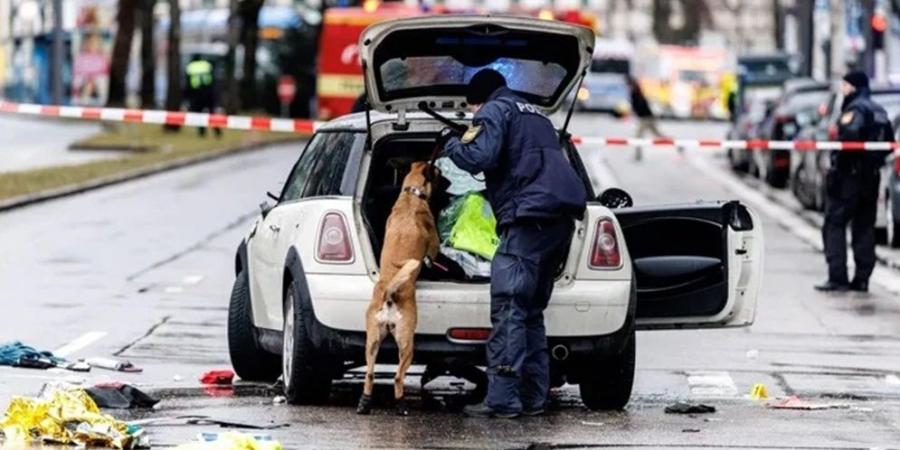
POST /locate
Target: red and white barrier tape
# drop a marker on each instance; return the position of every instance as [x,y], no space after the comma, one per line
[189,119]
[262,123]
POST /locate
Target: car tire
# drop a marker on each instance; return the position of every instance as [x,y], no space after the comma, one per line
[249,360]
[307,380]
[607,383]
[893,226]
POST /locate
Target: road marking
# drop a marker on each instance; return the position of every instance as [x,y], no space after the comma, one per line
[786,218]
[706,383]
[80,343]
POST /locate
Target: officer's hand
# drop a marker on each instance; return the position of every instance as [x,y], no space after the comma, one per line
[445,136]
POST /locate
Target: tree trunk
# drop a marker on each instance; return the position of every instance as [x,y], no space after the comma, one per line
[250,41]
[174,70]
[148,56]
[230,99]
[121,52]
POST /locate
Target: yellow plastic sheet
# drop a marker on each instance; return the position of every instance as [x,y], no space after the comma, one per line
[232,441]
[68,416]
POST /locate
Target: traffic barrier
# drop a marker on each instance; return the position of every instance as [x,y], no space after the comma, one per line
[262,123]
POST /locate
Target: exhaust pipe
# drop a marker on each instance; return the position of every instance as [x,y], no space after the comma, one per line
[560,352]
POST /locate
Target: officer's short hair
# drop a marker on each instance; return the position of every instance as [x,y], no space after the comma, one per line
[482,85]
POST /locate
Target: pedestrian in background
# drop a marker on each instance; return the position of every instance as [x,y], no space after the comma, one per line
[201,89]
[641,109]
[852,187]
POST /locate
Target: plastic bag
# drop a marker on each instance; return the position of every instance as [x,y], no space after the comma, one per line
[461,182]
[473,266]
[231,441]
[468,224]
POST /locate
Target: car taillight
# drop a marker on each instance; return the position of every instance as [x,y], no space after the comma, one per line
[605,251]
[897,162]
[832,132]
[469,334]
[334,239]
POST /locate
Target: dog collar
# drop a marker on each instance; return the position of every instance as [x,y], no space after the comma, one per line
[417,191]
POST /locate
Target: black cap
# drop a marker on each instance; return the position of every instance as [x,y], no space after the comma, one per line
[482,85]
[858,79]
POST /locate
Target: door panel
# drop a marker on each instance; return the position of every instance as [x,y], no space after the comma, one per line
[695,265]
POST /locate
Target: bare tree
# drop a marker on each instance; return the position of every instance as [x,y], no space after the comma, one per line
[696,15]
[148,55]
[250,41]
[173,60]
[230,99]
[121,52]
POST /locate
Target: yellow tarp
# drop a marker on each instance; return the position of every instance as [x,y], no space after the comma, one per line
[232,441]
[68,416]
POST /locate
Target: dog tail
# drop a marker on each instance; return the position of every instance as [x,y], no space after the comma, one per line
[402,277]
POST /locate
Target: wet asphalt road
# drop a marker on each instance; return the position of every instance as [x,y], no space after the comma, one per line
[142,271]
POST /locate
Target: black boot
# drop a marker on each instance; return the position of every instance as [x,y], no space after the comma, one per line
[859,285]
[402,407]
[831,286]
[365,404]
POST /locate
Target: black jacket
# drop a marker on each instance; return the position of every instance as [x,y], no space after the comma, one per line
[639,103]
[859,122]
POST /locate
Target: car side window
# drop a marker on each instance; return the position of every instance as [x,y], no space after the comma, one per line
[320,170]
[328,171]
[299,175]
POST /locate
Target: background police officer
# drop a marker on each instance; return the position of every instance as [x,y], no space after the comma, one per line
[852,188]
[535,195]
[200,89]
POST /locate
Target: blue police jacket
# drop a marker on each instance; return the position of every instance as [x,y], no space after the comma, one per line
[862,120]
[527,176]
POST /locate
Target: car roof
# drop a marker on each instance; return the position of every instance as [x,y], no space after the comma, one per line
[357,121]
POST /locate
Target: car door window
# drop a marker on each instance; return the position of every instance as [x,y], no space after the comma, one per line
[297,180]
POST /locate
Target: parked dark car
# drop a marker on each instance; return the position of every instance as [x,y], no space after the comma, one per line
[809,167]
[797,107]
[757,104]
[890,182]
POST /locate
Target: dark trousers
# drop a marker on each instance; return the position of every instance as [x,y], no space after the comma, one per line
[851,199]
[522,275]
[201,100]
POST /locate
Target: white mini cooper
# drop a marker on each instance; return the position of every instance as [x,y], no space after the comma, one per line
[305,272]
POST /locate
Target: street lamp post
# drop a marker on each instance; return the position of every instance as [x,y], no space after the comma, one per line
[57,61]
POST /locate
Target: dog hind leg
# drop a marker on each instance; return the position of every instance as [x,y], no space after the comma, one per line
[374,336]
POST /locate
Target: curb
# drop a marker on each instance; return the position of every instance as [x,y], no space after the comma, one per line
[65,191]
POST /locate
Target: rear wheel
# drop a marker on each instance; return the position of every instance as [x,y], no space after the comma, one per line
[307,379]
[249,360]
[607,382]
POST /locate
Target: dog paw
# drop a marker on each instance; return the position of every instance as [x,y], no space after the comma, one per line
[365,404]
[402,407]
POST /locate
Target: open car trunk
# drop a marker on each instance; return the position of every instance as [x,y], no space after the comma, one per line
[390,163]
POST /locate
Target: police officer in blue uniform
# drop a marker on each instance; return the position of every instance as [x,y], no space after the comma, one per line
[536,196]
[852,188]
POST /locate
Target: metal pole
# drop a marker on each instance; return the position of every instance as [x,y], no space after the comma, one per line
[838,47]
[58,49]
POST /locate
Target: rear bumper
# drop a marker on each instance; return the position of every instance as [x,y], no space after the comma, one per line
[579,308]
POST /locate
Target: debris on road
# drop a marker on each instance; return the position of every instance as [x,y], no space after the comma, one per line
[752,354]
[759,392]
[690,430]
[217,377]
[119,395]
[113,364]
[592,424]
[279,400]
[689,408]
[20,355]
[794,402]
[231,441]
[206,420]
[65,416]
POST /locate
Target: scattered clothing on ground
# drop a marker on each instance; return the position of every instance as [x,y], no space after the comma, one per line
[120,396]
[689,408]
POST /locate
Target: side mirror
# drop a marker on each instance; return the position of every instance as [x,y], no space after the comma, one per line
[613,198]
[264,209]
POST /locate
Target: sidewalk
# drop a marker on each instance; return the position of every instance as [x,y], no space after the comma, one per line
[30,143]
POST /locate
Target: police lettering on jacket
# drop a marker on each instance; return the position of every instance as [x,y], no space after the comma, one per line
[526,172]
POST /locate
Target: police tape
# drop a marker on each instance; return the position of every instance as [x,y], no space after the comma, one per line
[263,123]
[175,118]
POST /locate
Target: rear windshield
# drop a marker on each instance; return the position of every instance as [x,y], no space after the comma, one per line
[532,77]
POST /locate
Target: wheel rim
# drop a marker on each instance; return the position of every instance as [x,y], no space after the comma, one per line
[287,353]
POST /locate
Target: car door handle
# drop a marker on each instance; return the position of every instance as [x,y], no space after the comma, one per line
[274,228]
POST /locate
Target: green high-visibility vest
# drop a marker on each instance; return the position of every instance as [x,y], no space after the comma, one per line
[199,74]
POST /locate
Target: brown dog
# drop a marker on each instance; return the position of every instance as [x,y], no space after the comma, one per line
[410,236]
